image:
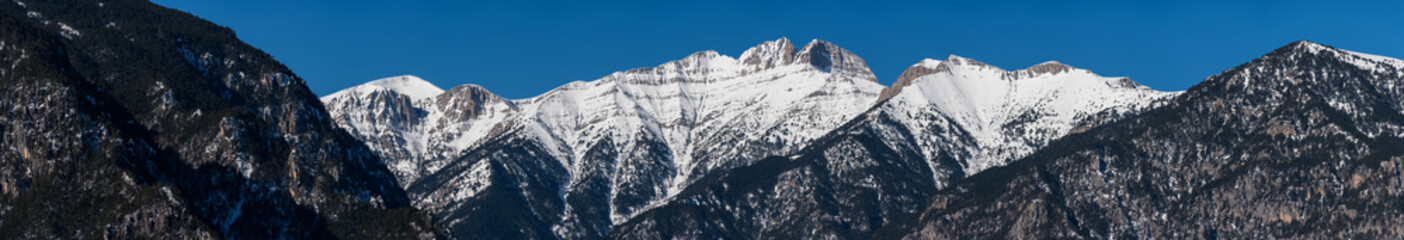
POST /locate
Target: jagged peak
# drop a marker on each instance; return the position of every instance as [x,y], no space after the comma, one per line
[818,43]
[823,55]
[818,53]
[769,54]
[468,96]
[829,57]
[408,85]
[468,89]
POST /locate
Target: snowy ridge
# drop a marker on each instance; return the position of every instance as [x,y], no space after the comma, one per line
[1375,63]
[1010,113]
[408,85]
[707,107]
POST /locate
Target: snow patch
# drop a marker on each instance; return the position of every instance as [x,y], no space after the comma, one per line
[1371,61]
[69,32]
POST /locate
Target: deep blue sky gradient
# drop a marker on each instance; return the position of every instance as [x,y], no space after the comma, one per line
[519,49]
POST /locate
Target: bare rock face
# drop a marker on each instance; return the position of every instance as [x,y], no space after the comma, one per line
[769,54]
[828,57]
[1052,67]
[166,126]
[1302,142]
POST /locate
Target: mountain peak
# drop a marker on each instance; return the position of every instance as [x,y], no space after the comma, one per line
[470,93]
[469,89]
[1299,47]
[769,54]
[407,85]
[467,101]
[1306,44]
[1306,64]
[823,55]
[1363,60]
[828,57]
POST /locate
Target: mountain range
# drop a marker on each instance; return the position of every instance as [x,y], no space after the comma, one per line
[125,119]
[646,138]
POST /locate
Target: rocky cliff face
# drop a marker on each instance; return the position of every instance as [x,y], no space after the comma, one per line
[126,119]
[1302,142]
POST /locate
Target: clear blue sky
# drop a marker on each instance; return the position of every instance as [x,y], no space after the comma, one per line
[519,49]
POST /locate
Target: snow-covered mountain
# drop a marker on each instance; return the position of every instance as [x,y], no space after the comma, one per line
[663,126]
[1007,114]
[1303,142]
[633,140]
[942,121]
[415,125]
